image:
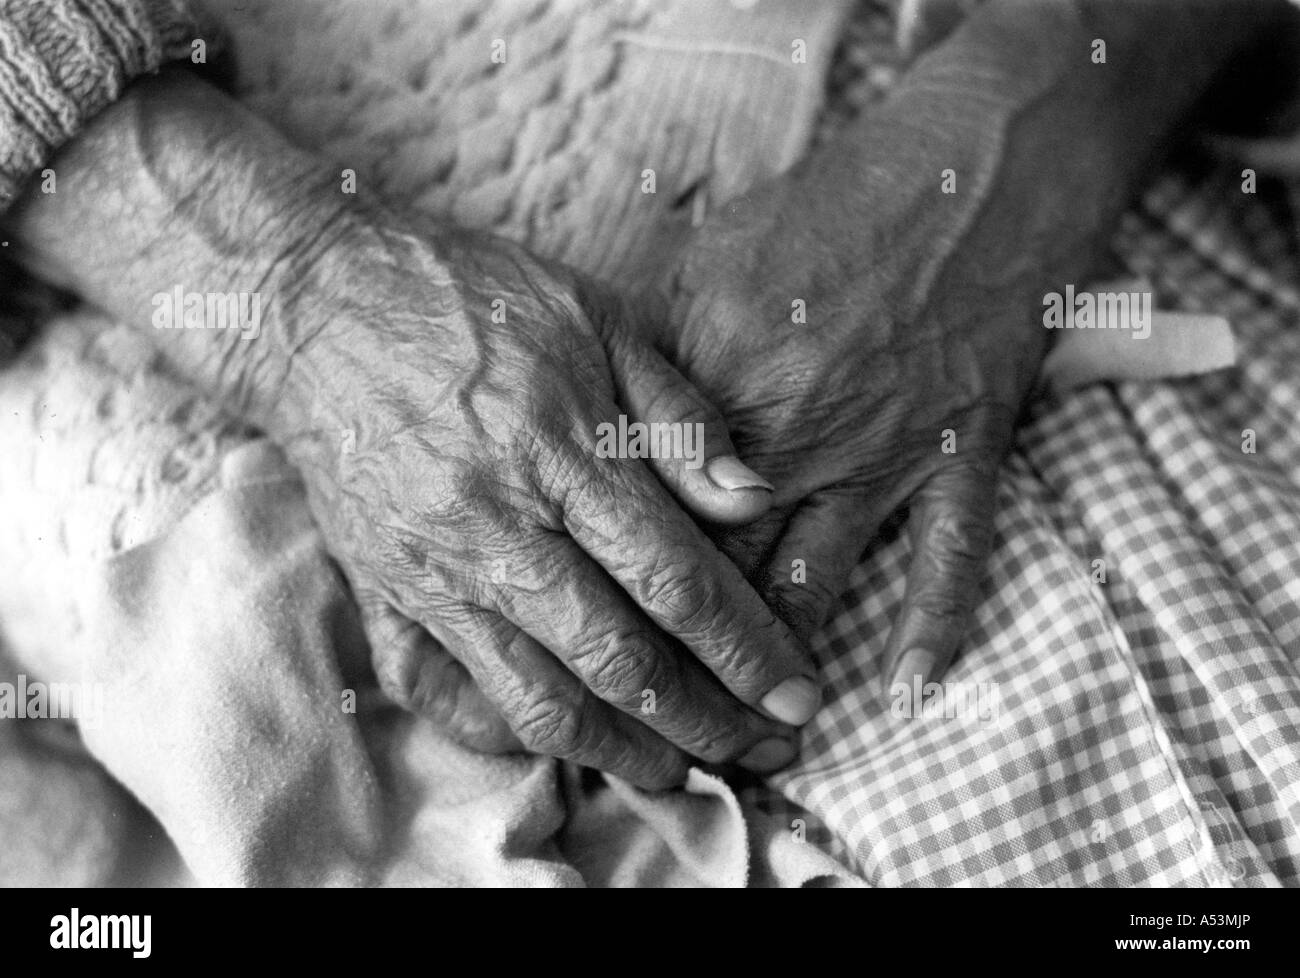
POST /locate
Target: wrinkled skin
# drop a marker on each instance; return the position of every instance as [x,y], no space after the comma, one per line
[441,392]
[845,413]
[922,308]
[920,332]
[917,247]
[481,532]
[849,413]
[485,540]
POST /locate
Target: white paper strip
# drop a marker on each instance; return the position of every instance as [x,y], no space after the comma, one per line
[1177,344]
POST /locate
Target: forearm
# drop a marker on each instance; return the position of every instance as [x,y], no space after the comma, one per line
[1072,136]
[178,187]
[64,60]
[995,169]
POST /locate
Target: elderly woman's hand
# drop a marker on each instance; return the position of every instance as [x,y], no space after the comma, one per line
[870,323]
[443,393]
[847,382]
[452,392]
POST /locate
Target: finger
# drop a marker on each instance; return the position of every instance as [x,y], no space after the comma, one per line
[750,546]
[686,439]
[622,517]
[420,675]
[583,617]
[548,709]
[810,565]
[951,529]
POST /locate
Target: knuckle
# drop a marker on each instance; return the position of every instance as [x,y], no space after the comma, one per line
[675,402]
[468,499]
[400,552]
[590,492]
[681,598]
[556,465]
[448,488]
[946,606]
[546,404]
[744,665]
[527,568]
[744,656]
[957,537]
[620,666]
[549,723]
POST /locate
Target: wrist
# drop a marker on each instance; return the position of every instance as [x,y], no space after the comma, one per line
[1003,158]
[182,214]
[375,296]
[241,213]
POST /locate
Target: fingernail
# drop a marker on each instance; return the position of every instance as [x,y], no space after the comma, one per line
[915,662]
[794,701]
[731,474]
[768,755]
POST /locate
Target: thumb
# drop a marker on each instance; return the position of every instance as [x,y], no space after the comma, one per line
[683,437]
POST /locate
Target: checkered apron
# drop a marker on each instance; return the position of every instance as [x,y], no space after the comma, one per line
[1139,625]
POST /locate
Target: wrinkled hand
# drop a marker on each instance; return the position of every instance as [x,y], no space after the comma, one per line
[866,357]
[871,323]
[441,394]
[456,389]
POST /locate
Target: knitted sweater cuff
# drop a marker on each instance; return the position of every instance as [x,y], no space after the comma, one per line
[61,61]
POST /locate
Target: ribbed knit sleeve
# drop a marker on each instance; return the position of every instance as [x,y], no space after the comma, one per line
[61,61]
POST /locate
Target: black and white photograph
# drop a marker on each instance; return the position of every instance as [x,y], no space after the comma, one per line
[494,444]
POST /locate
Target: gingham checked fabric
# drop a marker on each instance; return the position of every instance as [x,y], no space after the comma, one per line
[1147,730]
